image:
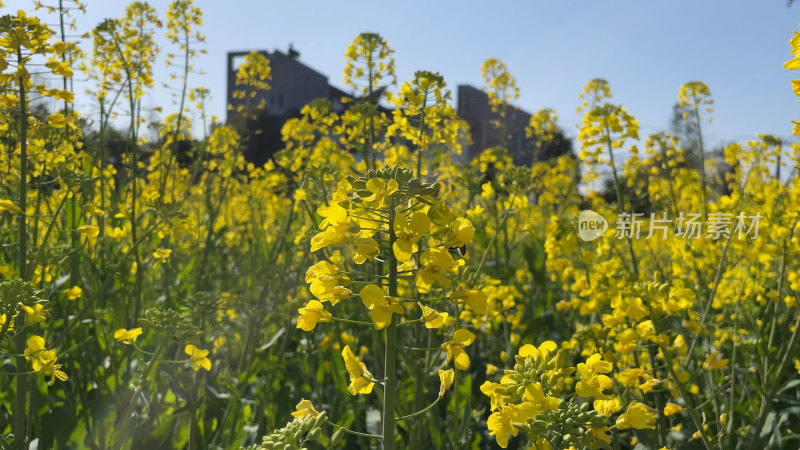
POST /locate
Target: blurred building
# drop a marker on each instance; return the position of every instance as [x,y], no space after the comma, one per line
[473,107]
[294,84]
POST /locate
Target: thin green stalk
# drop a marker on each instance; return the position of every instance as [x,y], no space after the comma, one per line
[620,203]
[702,160]
[355,433]
[123,430]
[422,411]
[193,414]
[767,397]
[421,125]
[419,388]
[711,295]
[391,349]
[20,418]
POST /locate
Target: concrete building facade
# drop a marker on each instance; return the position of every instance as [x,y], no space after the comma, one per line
[294,84]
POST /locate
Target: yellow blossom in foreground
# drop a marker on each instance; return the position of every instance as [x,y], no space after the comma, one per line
[305,409]
[197,357]
[8,205]
[73,293]
[434,265]
[638,416]
[43,361]
[90,231]
[162,253]
[607,407]
[325,282]
[455,348]
[408,232]
[672,408]
[381,306]
[366,249]
[311,314]
[359,375]
[459,233]
[3,319]
[712,362]
[475,299]
[544,349]
[34,352]
[115,233]
[127,336]
[52,370]
[446,378]
[380,190]
[501,424]
[35,314]
[432,318]
[593,382]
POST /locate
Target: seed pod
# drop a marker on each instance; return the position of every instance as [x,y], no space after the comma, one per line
[320,419]
[337,437]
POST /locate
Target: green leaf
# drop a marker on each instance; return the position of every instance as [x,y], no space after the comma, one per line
[466,418]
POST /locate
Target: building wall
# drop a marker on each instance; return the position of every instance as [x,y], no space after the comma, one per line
[473,106]
[293,84]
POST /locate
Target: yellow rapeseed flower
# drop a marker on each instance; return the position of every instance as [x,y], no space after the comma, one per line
[672,408]
[446,378]
[311,314]
[197,357]
[455,348]
[73,293]
[638,416]
[359,375]
[305,409]
[434,265]
[162,253]
[127,336]
[381,306]
[35,314]
[8,205]
[432,318]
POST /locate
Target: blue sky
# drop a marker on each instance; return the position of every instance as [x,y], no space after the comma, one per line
[646,50]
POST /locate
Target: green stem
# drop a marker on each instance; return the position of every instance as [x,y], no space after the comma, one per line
[422,411]
[20,418]
[620,203]
[352,322]
[356,433]
[391,349]
[702,160]
[766,399]
[419,386]
[123,430]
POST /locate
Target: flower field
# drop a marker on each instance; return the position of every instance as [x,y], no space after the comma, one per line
[370,286]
